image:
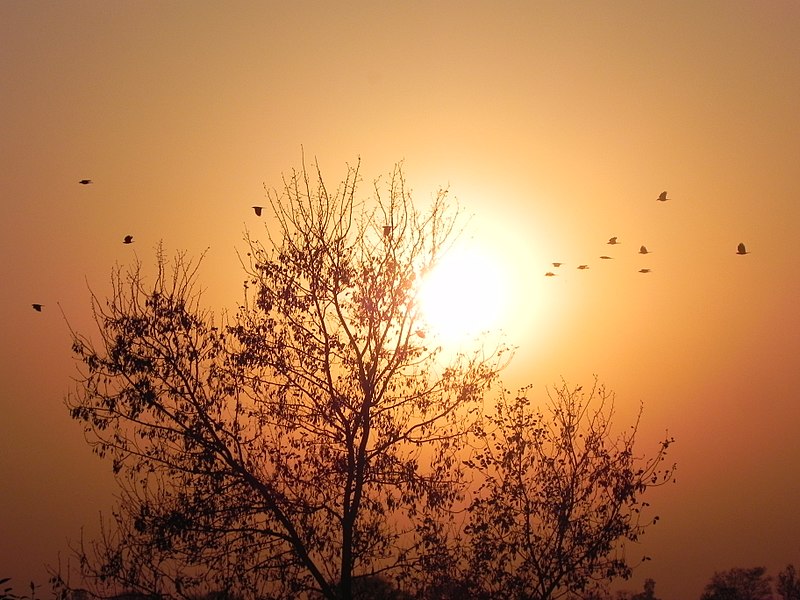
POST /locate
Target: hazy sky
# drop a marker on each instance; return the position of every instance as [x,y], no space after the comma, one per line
[556,124]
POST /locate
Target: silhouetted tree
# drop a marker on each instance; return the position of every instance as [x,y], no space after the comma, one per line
[739,584]
[649,591]
[789,584]
[560,496]
[297,448]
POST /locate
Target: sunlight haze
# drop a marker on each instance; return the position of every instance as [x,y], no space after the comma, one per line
[466,293]
[555,126]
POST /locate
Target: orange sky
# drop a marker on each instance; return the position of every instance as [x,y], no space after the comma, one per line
[556,124]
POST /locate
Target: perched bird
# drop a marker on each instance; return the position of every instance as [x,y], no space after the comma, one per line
[85,181]
[644,250]
[604,257]
[583,267]
[557,264]
[37,307]
[740,249]
[644,270]
[549,274]
[387,230]
[128,239]
[258,210]
[612,241]
[662,197]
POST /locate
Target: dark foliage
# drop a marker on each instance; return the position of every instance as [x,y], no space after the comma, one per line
[739,584]
[788,585]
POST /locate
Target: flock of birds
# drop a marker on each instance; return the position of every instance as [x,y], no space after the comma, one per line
[741,249]
[613,241]
[128,239]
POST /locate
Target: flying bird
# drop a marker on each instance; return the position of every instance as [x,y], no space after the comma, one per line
[549,274]
[604,257]
[662,197]
[128,239]
[583,267]
[557,264]
[37,307]
[644,250]
[612,241]
[644,270]
[740,249]
[85,181]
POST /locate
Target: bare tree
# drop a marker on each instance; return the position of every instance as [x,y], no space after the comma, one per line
[561,493]
[297,447]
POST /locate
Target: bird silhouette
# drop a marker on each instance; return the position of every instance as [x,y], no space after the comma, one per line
[557,264]
[549,274]
[644,250]
[662,197]
[128,239]
[604,257]
[387,230]
[644,270]
[85,181]
[258,210]
[740,249]
[37,307]
[583,267]
[612,241]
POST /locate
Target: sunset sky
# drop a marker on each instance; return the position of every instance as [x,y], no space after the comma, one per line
[555,124]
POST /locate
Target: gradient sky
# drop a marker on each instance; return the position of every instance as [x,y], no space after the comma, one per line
[556,124]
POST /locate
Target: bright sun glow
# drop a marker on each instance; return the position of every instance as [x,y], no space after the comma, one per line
[465,294]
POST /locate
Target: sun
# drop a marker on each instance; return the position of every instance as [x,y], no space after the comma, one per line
[465,294]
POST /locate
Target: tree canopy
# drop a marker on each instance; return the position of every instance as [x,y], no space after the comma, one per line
[317,442]
[560,494]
